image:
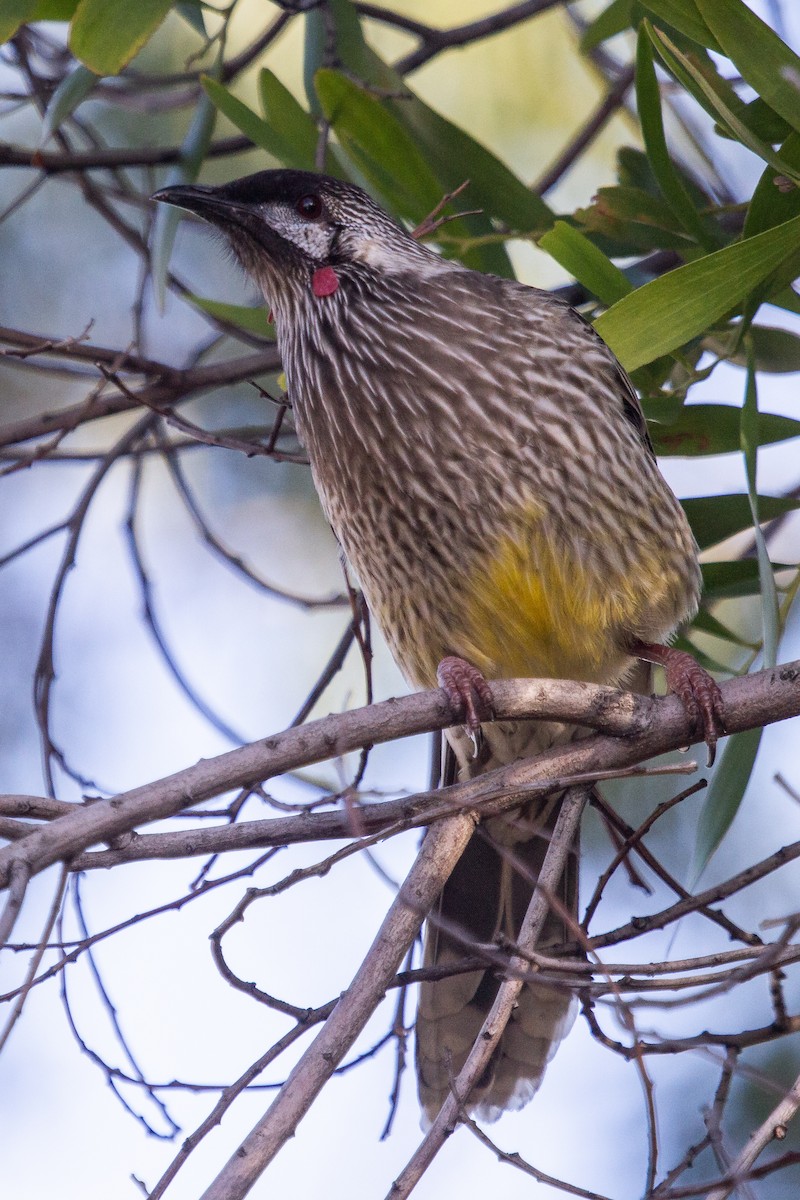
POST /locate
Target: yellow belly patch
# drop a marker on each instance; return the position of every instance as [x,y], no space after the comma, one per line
[535,610]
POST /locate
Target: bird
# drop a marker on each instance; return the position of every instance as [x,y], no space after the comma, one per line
[485,465]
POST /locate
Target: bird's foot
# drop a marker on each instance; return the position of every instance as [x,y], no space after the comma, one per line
[468,692]
[697,691]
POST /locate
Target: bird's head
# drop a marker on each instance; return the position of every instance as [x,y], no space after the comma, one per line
[288,225]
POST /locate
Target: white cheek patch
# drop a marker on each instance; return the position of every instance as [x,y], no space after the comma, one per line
[312,237]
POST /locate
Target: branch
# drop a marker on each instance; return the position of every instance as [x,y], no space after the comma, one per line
[53,162]
[642,727]
[440,851]
[434,41]
[553,867]
[773,1128]
[171,384]
[385,816]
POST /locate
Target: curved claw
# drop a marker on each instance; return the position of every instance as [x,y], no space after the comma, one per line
[467,690]
[696,690]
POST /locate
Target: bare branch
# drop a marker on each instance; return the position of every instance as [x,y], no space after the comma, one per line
[652,726]
[442,848]
[772,1129]
[434,41]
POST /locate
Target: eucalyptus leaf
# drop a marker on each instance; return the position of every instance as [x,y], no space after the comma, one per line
[612,20]
[450,152]
[14,13]
[706,622]
[715,429]
[105,35]
[725,795]
[192,13]
[54,10]
[298,129]
[716,95]
[628,220]
[750,447]
[251,320]
[775,198]
[648,101]
[763,121]
[787,299]
[192,153]
[379,146]
[776,351]
[715,518]
[770,67]
[590,266]
[670,311]
[259,132]
[732,580]
[683,16]
[72,89]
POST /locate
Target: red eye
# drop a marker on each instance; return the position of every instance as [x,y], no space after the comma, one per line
[309,207]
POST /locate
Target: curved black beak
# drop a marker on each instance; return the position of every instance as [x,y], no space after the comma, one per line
[198,198]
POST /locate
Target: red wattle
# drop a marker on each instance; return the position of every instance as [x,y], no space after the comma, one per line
[324,281]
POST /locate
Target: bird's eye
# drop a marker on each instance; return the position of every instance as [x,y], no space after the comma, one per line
[309,207]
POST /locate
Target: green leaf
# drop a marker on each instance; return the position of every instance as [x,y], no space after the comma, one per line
[765,61]
[105,35]
[706,622]
[613,20]
[670,311]
[725,795]
[648,100]
[786,299]
[714,429]
[715,518]
[55,10]
[732,580]
[288,145]
[73,88]
[763,121]
[192,13]
[585,262]
[634,171]
[249,123]
[193,151]
[749,437]
[717,97]
[252,320]
[378,145]
[456,156]
[630,220]
[683,16]
[14,13]
[771,204]
[776,351]
[297,127]
[636,205]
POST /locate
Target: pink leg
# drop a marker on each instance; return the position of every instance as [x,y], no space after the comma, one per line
[694,687]
[468,692]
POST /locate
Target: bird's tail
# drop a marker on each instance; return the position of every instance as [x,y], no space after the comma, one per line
[482,905]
